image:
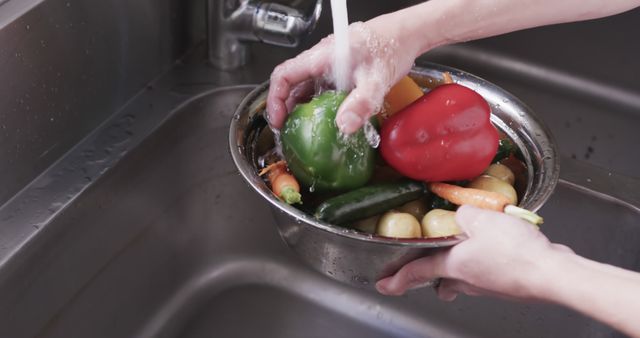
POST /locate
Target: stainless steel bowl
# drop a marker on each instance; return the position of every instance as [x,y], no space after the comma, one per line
[361,259]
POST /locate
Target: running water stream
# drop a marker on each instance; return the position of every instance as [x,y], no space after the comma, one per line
[342,60]
[341,56]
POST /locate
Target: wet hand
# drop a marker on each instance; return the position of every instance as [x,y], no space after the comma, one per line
[378,60]
[503,256]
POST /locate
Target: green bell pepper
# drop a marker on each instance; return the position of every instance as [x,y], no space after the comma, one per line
[317,155]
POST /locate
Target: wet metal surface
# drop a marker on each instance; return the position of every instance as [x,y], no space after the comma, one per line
[167,240]
[145,229]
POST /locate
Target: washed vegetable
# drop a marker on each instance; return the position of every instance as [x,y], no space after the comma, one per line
[317,155]
[440,223]
[368,201]
[519,169]
[505,149]
[401,95]
[482,199]
[445,135]
[283,184]
[490,183]
[501,172]
[398,225]
[476,197]
[417,208]
[367,225]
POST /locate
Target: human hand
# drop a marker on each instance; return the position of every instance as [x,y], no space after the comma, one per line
[384,48]
[378,60]
[504,256]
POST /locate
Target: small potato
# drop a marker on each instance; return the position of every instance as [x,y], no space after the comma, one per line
[416,208]
[490,183]
[440,223]
[502,172]
[398,225]
[367,225]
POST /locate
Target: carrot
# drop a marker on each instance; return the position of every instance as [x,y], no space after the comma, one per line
[286,187]
[283,184]
[476,197]
[482,199]
[273,170]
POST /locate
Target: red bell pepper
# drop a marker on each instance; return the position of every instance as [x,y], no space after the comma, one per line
[446,135]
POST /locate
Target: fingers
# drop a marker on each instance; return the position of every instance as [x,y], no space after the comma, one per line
[449,289]
[469,220]
[363,102]
[475,221]
[310,64]
[480,223]
[562,248]
[302,92]
[412,275]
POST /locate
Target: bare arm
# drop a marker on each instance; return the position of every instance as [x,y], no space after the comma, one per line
[603,292]
[399,37]
[450,21]
[507,257]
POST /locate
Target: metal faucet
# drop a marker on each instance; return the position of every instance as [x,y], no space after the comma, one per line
[231,23]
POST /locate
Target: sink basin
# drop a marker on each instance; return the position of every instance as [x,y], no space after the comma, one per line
[171,242]
[145,228]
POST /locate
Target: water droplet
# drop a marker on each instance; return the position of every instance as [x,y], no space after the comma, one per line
[360,279]
[371,134]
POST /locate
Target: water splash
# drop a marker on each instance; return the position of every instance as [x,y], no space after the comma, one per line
[371,134]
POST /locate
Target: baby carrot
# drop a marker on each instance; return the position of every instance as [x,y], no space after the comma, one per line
[283,184]
[476,197]
[482,199]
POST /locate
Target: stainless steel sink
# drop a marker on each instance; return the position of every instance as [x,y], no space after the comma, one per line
[170,242]
[145,229]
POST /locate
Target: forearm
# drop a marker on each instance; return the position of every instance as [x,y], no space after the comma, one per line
[603,292]
[439,22]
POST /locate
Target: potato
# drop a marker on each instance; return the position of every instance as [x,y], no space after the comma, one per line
[416,208]
[490,183]
[367,225]
[502,172]
[398,225]
[440,223]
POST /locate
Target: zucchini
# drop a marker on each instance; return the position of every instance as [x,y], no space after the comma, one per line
[368,201]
